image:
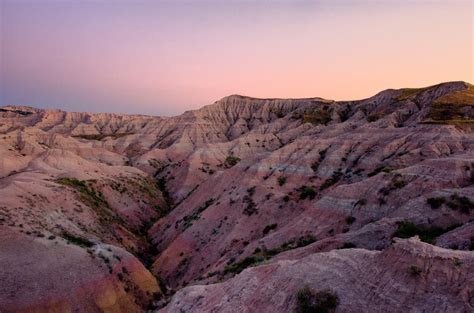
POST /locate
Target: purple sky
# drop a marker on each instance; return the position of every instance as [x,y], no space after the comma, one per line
[156,57]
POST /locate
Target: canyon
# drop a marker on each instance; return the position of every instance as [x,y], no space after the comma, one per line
[241,205]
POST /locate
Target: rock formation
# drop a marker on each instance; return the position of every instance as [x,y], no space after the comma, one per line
[238,205]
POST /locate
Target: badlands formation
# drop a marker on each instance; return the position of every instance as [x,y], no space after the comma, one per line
[245,205]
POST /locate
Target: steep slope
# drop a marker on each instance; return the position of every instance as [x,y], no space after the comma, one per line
[410,276]
[199,197]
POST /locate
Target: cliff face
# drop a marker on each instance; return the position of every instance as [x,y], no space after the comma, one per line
[199,197]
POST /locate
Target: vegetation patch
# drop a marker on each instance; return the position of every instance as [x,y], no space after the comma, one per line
[396,183]
[319,116]
[309,301]
[322,156]
[238,267]
[281,180]
[87,193]
[99,137]
[231,161]
[462,203]
[407,93]
[436,203]
[374,117]
[78,241]
[269,228]
[307,192]
[350,220]
[188,220]
[460,97]
[379,170]
[456,107]
[251,206]
[414,270]
[348,245]
[408,229]
[336,176]
[261,255]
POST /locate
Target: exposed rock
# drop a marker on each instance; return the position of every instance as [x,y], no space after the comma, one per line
[199,197]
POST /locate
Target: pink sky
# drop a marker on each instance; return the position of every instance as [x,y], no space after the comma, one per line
[156,57]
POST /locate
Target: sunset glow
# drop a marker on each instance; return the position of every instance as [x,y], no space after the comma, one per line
[163,58]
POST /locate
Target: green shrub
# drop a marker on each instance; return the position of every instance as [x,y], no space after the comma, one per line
[231,161]
[161,185]
[281,180]
[336,176]
[408,229]
[414,270]
[305,240]
[436,203]
[79,241]
[251,207]
[348,245]
[251,190]
[241,265]
[307,192]
[350,220]
[379,169]
[309,301]
[398,184]
[269,228]
[462,203]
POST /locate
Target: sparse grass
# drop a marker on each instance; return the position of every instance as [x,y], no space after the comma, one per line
[407,93]
[309,301]
[317,117]
[460,97]
[453,108]
[88,194]
[188,220]
[261,255]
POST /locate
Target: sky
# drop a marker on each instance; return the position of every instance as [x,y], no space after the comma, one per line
[166,57]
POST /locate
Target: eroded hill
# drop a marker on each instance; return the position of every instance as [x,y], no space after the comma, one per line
[123,211]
